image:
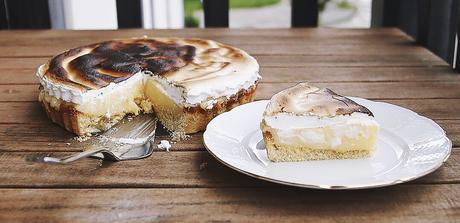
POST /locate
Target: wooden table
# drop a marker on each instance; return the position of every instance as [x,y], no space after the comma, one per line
[187,183]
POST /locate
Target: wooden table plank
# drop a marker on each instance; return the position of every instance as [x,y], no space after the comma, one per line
[51,42]
[45,137]
[188,183]
[238,32]
[59,40]
[371,60]
[25,127]
[51,137]
[375,91]
[32,112]
[354,74]
[370,90]
[80,38]
[297,74]
[278,61]
[407,203]
[161,170]
[325,34]
[255,49]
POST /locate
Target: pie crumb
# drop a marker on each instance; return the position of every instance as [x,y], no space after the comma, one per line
[164,144]
[81,138]
[178,136]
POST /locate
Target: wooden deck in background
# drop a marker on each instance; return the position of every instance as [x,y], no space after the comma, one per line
[188,183]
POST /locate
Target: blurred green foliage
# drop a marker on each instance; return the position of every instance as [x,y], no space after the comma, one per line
[252,3]
[344,4]
[191,21]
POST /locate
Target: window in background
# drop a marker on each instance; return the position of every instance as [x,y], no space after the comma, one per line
[104,14]
[83,14]
[345,13]
[163,14]
[260,13]
[243,13]
[277,13]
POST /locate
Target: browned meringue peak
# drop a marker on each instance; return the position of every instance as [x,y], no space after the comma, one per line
[97,65]
[305,99]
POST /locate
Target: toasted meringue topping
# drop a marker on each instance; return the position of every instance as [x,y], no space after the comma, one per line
[201,68]
[304,99]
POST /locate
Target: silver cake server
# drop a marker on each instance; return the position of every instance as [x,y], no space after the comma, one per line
[127,140]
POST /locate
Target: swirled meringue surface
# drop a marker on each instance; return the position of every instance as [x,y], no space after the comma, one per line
[305,99]
[201,69]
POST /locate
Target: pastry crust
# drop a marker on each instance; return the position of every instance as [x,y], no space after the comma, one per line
[195,118]
[186,81]
[279,152]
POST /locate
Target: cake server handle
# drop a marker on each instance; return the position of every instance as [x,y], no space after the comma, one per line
[74,157]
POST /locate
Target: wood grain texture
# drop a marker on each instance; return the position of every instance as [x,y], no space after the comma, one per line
[371,60]
[75,38]
[25,127]
[371,90]
[355,74]
[31,112]
[323,42]
[284,61]
[48,137]
[320,33]
[406,203]
[325,37]
[253,49]
[299,74]
[188,184]
[162,169]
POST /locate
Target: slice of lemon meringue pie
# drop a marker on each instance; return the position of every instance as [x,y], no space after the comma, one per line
[186,82]
[310,123]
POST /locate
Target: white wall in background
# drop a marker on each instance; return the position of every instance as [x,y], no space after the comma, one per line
[102,14]
[83,14]
[163,14]
[90,14]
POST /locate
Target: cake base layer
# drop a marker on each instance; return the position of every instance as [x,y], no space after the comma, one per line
[197,118]
[67,115]
[285,153]
[294,151]
[174,117]
[192,119]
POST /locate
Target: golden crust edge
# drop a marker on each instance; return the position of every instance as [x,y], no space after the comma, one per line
[196,117]
[278,153]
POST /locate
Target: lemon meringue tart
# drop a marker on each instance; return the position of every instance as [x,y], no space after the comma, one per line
[186,82]
[305,122]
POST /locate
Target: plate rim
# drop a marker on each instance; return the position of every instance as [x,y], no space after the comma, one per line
[377,184]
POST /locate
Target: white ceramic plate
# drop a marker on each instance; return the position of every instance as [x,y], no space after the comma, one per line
[409,146]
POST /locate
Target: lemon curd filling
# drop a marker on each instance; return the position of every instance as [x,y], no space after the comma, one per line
[148,95]
[120,101]
[168,111]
